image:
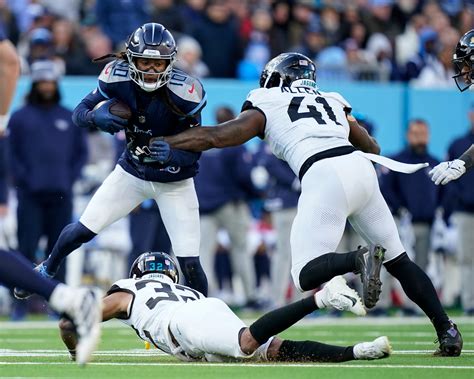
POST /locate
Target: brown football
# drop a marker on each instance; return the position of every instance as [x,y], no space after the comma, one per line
[117,108]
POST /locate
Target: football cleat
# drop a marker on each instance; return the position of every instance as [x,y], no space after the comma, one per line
[368,264]
[22,294]
[338,295]
[450,342]
[86,314]
[377,349]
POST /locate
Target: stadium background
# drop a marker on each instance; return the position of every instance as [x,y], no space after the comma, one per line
[372,51]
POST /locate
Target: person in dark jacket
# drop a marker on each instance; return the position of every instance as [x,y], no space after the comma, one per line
[46,155]
[414,193]
[218,36]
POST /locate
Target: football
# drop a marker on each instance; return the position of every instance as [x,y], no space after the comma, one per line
[117,108]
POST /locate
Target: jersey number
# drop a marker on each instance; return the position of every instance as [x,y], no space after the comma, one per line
[294,106]
[166,289]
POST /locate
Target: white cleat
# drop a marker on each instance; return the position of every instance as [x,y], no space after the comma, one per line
[86,314]
[378,348]
[338,295]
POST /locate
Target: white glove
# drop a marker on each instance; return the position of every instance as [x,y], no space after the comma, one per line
[447,171]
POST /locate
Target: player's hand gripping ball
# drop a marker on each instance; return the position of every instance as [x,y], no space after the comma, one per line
[111,116]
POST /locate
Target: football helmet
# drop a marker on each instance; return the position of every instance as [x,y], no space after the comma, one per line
[285,68]
[154,263]
[463,59]
[151,41]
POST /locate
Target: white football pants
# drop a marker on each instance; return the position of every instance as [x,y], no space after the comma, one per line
[122,192]
[332,191]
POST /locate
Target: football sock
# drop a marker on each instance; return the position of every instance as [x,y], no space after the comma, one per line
[419,289]
[17,271]
[312,351]
[326,267]
[71,238]
[193,273]
[278,320]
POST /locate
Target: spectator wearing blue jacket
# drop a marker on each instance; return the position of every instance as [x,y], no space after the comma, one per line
[46,154]
[281,201]
[414,193]
[223,187]
[119,18]
[462,196]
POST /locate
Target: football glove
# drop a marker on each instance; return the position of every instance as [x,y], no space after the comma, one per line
[160,151]
[106,121]
[447,171]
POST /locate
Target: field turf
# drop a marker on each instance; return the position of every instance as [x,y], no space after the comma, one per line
[33,349]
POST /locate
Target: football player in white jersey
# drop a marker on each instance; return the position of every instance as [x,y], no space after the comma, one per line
[316,134]
[182,322]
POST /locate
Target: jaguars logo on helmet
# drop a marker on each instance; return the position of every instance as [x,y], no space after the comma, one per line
[463,59]
[154,263]
[285,68]
[151,41]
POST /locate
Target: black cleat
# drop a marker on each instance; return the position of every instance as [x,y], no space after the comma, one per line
[368,264]
[450,342]
[22,294]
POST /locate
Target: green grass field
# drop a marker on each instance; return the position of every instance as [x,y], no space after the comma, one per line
[33,349]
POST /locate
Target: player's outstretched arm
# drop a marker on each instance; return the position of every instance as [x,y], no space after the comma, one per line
[113,306]
[359,137]
[445,172]
[247,125]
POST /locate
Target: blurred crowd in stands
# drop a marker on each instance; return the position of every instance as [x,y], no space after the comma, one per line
[377,40]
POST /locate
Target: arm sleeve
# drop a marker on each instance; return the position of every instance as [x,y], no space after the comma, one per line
[81,115]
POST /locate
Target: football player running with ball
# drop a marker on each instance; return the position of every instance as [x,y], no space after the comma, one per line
[184,323]
[316,134]
[163,101]
[463,59]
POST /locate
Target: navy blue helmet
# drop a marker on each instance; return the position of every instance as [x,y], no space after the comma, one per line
[154,263]
[285,68]
[151,41]
[463,59]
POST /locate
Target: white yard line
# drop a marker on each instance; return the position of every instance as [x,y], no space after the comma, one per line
[253,365]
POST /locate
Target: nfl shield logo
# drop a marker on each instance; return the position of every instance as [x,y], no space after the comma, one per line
[141,119]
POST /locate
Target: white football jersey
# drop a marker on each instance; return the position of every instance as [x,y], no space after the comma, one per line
[301,121]
[154,303]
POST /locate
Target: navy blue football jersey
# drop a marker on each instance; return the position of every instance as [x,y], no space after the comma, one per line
[169,110]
